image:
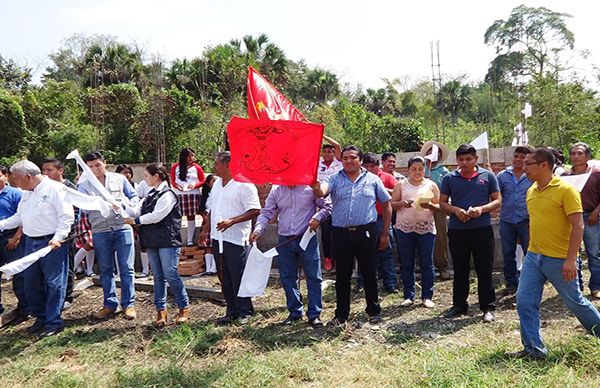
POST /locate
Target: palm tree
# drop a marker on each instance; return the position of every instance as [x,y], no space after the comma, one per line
[453,98]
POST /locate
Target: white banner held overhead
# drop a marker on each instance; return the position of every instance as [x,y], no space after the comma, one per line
[87,202]
[87,174]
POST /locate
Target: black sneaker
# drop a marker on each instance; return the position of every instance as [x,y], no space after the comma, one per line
[509,290]
[315,322]
[224,321]
[50,333]
[337,322]
[289,320]
[37,327]
[489,317]
[375,319]
[455,312]
[243,320]
[525,354]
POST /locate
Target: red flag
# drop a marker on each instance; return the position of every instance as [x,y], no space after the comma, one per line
[277,151]
[265,102]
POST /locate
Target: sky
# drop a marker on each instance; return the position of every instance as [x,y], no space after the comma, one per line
[362,42]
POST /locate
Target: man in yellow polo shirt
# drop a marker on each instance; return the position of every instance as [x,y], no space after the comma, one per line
[556,231]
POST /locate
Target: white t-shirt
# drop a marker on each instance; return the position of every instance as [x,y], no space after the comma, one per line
[324,171]
[234,199]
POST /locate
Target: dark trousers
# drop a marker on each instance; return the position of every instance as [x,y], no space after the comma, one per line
[326,237]
[478,242]
[362,245]
[46,281]
[18,280]
[71,272]
[230,265]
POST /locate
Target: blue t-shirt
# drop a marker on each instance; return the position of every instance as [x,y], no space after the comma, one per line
[465,193]
[9,200]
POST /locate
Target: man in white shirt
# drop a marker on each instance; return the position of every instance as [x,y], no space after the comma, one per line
[232,206]
[46,220]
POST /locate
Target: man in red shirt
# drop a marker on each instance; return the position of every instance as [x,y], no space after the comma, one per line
[385,260]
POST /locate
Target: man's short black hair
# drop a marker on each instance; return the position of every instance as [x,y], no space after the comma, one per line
[93,155]
[325,146]
[523,150]
[351,147]
[370,157]
[58,164]
[543,154]
[4,170]
[386,155]
[466,149]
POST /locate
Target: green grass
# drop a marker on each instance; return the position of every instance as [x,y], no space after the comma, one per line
[413,348]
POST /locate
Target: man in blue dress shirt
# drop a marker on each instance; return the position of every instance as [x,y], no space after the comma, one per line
[514,218]
[354,192]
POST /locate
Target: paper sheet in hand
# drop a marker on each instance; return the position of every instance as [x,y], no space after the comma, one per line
[23,263]
[577,180]
[306,238]
[256,274]
[425,198]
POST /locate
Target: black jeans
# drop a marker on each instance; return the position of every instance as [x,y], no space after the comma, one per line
[70,273]
[346,246]
[326,238]
[230,265]
[480,243]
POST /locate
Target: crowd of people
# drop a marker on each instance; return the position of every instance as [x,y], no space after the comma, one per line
[363,208]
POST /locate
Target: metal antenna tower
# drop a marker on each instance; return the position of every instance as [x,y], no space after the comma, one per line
[437,85]
[96,100]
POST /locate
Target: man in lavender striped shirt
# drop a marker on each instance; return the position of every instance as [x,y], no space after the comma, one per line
[297,209]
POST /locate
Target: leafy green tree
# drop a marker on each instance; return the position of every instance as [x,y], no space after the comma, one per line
[13,76]
[14,130]
[529,42]
[563,113]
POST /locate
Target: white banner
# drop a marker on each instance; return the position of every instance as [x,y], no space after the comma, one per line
[256,274]
[481,142]
[23,263]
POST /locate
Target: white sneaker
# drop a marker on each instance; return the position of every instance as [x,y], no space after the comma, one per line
[407,303]
[428,303]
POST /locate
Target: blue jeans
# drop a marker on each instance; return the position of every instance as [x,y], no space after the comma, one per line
[591,240]
[538,268]
[18,280]
[386,268]
[46,281]
[164,263]
[509,233]
[106,244]
[407,244]
[290,255]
